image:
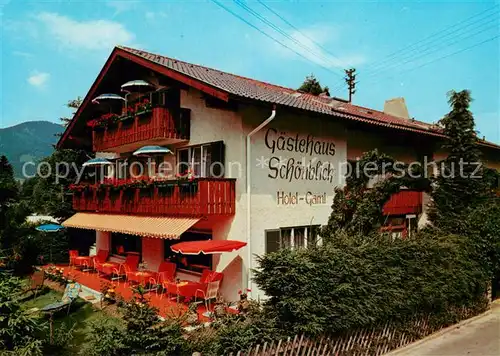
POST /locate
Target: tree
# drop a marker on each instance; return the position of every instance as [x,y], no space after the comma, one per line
[8,193]
[8,185]
[50,195]
[312,86]
[460,185]
[71,104]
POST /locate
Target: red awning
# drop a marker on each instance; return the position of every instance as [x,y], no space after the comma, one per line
[207,246]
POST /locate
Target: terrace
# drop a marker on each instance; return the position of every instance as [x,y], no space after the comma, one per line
[93,284]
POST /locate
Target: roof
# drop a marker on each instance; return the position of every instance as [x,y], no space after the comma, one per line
[225,84]
[257,90]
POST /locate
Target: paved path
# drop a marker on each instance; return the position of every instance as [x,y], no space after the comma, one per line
[480,337]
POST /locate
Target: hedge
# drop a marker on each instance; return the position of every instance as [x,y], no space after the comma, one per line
[358,282]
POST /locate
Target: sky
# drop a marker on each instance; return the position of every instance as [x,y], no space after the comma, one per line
[52,51]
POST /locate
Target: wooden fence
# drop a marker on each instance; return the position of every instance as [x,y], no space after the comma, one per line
[373,342]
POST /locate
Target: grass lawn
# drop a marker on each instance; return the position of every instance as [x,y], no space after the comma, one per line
[79,318]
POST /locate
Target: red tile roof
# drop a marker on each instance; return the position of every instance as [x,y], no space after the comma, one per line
[271,93]
[242,87]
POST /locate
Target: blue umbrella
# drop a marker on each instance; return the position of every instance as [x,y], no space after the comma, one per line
[103,97]
[96,162]
[151,150]
[50,228]
[136,86]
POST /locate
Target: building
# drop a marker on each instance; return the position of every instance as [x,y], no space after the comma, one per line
[266,159]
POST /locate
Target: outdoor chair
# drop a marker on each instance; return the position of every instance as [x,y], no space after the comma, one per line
[212,292]
[70,294]
[88,262]
[165,275]
[122,269]
[189,289]
[35,283]
[73,254]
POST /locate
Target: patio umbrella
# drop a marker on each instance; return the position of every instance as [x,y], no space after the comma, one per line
[107,97]
[50,228]
[136,86]
[207,247]
[151,150]
[96,162]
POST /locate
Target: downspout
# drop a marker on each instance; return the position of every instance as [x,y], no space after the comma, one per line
[249,192]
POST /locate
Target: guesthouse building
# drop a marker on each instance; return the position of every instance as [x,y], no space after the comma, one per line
[236,159]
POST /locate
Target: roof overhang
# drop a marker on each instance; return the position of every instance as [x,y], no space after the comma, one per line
[147,226]
[120,53]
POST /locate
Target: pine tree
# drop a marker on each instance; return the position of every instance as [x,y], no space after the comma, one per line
[71,104]
[460,185]
[312,86]
[8,185]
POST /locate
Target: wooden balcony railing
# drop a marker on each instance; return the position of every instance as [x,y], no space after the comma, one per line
[156,124]
[404,202]
[201,197]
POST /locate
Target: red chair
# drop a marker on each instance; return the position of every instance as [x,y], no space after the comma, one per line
[165,275]
[99,259]
[125,268]
[72,255]
[88,261]
[192,289]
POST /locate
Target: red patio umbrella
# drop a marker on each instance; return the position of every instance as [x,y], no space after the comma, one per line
[207,247]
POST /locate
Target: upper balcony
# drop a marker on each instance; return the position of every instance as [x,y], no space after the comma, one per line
[198,198]
[152,119]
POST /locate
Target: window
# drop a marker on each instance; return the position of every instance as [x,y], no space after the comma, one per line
[205,160]
[196,263]
[291,237]
[123,243]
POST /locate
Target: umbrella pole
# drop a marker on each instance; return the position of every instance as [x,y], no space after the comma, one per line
[50,249]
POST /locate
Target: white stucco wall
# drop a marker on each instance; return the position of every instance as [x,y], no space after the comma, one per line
[280,199]
[103,240]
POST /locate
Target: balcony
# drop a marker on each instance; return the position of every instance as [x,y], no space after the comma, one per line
[199,198]
[404,202]
[159,125]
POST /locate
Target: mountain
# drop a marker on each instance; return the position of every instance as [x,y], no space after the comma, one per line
[28,141]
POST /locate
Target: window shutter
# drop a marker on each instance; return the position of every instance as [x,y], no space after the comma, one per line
[272,241]
[218,159]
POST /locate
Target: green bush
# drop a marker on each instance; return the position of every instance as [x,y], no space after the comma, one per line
[233,333]
[143,333]
[358,282]
[483,226]
[19,331]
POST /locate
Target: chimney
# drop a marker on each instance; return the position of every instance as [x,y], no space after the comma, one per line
[396,107]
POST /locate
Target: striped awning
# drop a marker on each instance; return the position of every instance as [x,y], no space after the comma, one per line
[150,226]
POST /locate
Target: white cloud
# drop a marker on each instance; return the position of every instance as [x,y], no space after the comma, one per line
[155,16]
[314,43]
[121,5]
[38,79]
[87,35]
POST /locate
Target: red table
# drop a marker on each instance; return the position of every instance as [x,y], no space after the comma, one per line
[186,288]
[108,267]
[141,277]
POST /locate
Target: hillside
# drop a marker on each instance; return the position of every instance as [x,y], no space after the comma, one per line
[28,141]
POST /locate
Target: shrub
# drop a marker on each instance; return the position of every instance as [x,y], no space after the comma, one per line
[232,333]
[142,333]
[19,331]
[357,282]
